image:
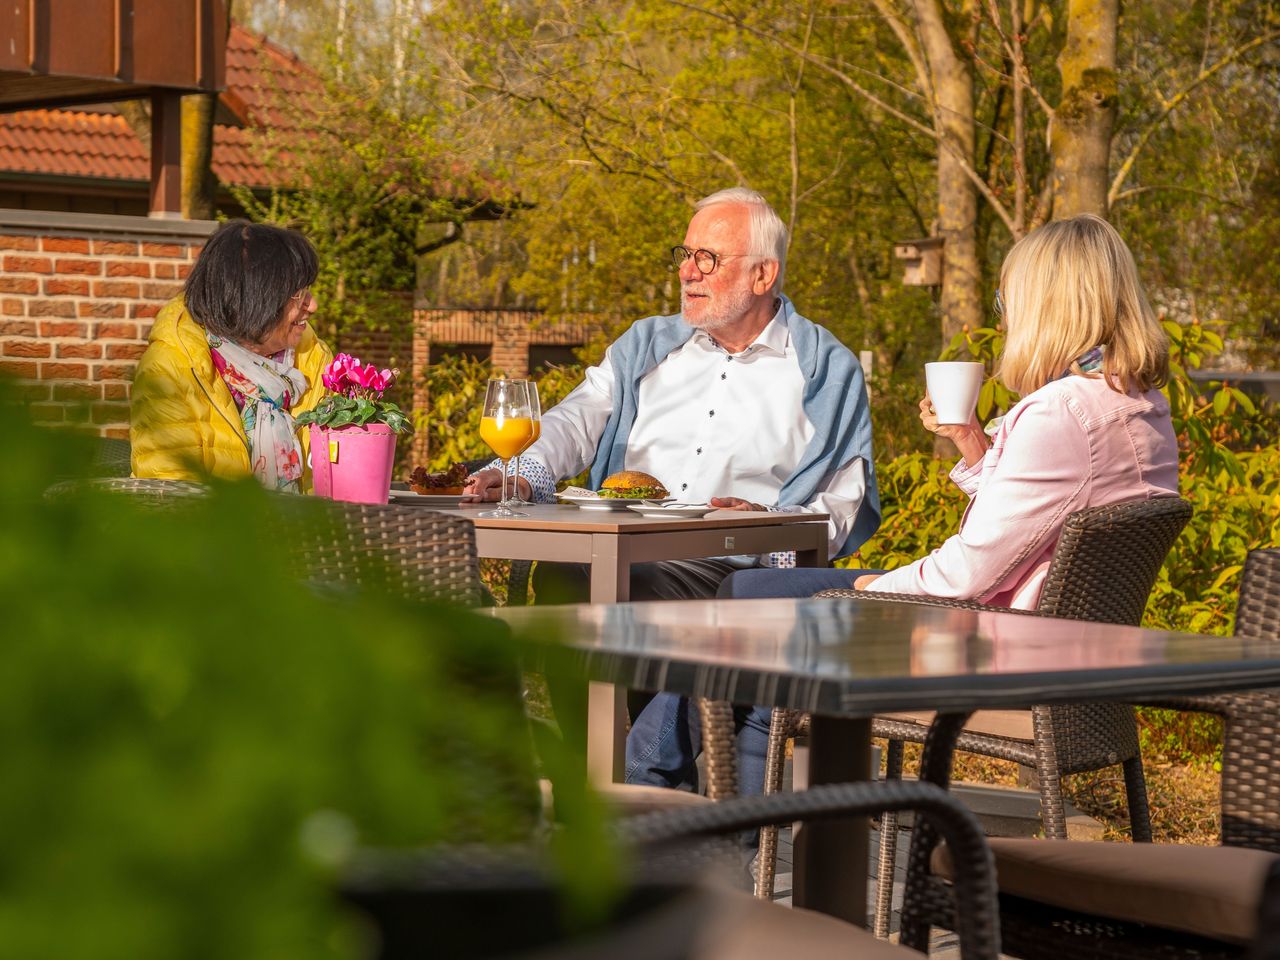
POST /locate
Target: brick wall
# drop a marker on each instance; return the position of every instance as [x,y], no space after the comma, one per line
[77,296]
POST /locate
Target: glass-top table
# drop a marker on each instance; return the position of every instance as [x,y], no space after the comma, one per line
[845,660]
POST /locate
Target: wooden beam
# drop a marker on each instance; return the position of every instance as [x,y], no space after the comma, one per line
[166,154]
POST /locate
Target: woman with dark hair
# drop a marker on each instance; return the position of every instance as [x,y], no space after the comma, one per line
[231,362]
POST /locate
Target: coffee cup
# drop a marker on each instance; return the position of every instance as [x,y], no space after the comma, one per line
[953,389]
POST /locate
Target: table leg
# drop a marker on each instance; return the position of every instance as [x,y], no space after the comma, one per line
[830,867]
[606,703]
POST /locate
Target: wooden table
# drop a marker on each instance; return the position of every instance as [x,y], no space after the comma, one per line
[845,660]
[610,543]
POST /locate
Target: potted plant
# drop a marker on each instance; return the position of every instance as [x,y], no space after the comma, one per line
[353,432]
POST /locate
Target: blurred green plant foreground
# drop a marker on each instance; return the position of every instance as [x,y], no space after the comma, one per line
[193,741]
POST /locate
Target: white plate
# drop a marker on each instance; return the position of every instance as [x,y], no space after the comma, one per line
[671,511]
[425,499]
[603,504]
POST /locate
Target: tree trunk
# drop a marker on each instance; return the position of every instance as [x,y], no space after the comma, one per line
[199,186]
[953,110]
[1080,141]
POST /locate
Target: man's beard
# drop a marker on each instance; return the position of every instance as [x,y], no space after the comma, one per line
[723,310]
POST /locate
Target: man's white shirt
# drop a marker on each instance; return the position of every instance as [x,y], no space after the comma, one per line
[708,424]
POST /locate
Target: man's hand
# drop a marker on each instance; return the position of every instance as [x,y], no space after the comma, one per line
[866,580]
[487,485]
[735,503]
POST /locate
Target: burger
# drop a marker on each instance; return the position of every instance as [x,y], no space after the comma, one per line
[632,485]
[445,484]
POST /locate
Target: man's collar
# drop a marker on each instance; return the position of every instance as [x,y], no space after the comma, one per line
[775,336]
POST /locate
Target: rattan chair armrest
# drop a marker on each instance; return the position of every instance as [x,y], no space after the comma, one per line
[847,594]
[978,925]
[1210,703]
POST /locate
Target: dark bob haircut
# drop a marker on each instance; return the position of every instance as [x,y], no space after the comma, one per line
[241,283]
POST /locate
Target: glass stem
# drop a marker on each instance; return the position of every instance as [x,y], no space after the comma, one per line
[515,493]
[504,481]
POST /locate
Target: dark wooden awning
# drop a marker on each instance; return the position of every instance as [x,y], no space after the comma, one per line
[61,52]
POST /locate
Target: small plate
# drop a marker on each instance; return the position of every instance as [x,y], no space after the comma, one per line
[671,511]
[425,499]
[603,504]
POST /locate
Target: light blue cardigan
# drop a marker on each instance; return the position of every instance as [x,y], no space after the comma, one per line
[835,401]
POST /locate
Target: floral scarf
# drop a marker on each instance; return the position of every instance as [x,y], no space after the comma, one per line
[264,389]
[1088,362]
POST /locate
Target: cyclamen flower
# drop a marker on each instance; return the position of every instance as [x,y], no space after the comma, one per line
[347,376]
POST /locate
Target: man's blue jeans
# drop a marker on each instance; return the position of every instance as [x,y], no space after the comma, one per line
[666,738]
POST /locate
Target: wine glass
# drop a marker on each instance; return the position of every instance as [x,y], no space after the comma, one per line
[506,425]
[535,412]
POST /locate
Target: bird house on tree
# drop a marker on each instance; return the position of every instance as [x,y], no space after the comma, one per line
[921,261]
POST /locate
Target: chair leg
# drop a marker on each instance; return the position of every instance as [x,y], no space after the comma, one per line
[1053,814]
[781,724]
[1135,788]
[888,848]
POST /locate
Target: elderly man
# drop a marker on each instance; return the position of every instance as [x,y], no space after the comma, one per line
[737,401]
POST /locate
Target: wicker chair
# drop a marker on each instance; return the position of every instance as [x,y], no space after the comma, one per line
[1103,568]
[1159,900]
[743,928]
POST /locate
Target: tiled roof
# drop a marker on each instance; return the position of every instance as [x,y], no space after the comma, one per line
[100,144]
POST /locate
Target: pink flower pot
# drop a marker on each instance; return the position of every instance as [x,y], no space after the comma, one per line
[353,463]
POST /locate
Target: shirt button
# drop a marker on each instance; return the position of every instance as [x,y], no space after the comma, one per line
[699,451]
[712,413]
[724,376]
[684,486]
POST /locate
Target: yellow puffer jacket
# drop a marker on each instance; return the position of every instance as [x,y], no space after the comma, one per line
[184,422]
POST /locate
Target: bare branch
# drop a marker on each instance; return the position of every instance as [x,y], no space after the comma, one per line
[1172,103]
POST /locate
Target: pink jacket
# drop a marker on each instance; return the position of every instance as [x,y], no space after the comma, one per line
[1073,443]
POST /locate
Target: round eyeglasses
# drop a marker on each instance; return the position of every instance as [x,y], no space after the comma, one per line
[704,260]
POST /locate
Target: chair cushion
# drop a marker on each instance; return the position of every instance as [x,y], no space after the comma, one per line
[633,799]
[1011,724]
[740,927]
[1209,891]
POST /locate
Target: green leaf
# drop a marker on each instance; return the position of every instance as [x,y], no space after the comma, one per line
[1221,400]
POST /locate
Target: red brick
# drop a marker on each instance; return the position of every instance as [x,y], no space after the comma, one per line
[101,310]
[125,351]
[164,250]
[80,351]
[110,412]
[128,268]
[28,265]
[33,390]
[10,241]
[161,291]
[166,271]
[143,311]
[19,285]
[116,331]
[26,348]
[48,412]
[76,390]
[91,268]
[116,288]
[17,328]
[115,391]
[64,371]
[114,371]
[183,270]
[14,308]
[18,368]
[117,248]
[116,433]
[70,288]
[51,328]
[51,308]
[64,244]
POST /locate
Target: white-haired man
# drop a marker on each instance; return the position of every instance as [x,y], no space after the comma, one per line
[738,401]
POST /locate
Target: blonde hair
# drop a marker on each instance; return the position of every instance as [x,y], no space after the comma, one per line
[1067,287]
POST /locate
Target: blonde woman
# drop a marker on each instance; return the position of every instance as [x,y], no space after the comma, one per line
[1088,356]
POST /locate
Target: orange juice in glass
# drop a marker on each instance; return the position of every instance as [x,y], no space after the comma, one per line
[535,412]
[506,425]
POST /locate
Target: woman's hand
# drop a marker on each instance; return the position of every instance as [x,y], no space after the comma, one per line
[866,580]
[969,438]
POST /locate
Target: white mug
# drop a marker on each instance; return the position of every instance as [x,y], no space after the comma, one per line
[953,389]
